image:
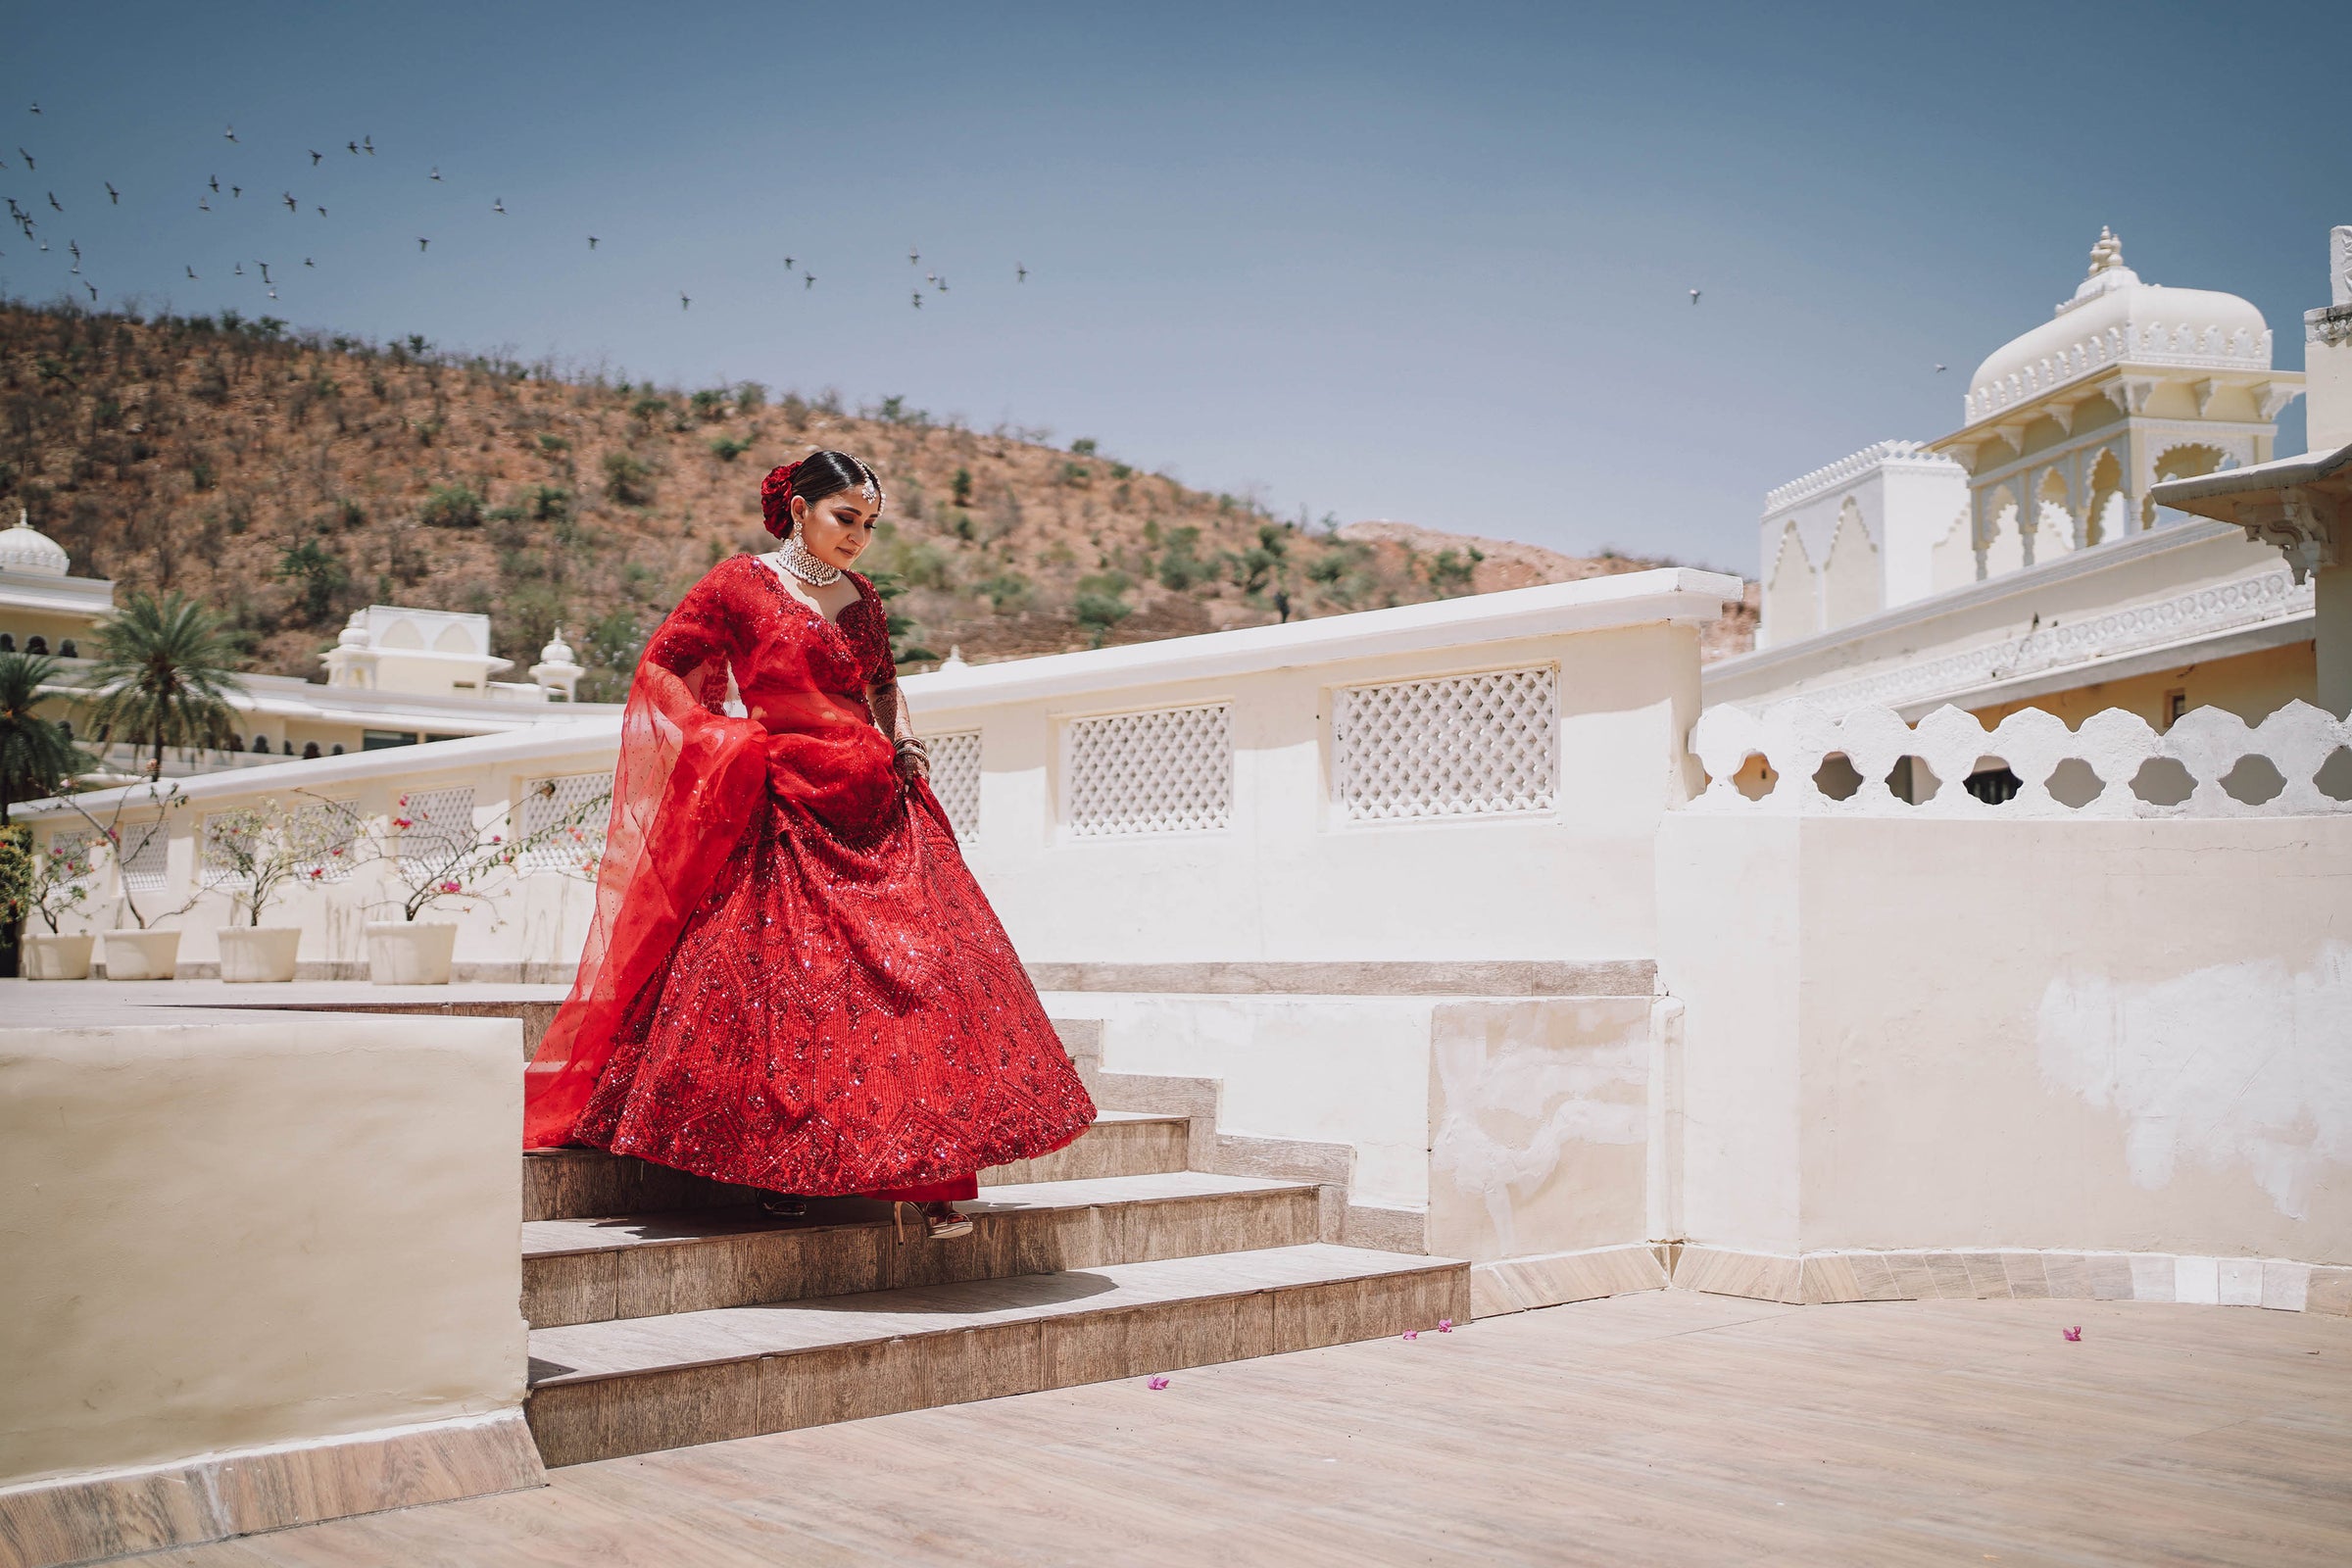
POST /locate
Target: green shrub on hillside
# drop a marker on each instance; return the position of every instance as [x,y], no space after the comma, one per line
[628,479]
[452,506]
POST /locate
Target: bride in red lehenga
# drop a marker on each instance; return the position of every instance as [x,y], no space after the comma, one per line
[791,981]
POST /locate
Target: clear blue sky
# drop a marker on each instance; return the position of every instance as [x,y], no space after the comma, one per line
[1426,262]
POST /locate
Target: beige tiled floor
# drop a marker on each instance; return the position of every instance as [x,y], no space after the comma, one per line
[1666,1428]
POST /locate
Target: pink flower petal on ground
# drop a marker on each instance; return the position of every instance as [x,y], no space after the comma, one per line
[1157,1382]
[2072,1335]
[1412,1334]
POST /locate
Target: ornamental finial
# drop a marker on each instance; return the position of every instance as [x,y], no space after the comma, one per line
[2107,252]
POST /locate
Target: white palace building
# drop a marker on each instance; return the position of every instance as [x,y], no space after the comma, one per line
[2025,558]
[396,676]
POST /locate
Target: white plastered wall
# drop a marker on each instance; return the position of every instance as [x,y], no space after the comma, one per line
[1289,879]
[2088,1035]
[233,1234]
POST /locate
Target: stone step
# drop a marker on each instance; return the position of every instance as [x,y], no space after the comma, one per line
[600,1391]
[590,1184]
[595,1271]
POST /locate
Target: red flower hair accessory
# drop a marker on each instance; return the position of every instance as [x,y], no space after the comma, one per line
[775,499]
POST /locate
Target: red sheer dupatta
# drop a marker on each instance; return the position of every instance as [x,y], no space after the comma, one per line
[687,782]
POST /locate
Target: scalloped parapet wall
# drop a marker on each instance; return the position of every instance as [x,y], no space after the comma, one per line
[1882,454]
[2208,744]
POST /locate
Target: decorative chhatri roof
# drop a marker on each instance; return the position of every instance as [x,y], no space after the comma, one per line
[2113,317]
[26,549]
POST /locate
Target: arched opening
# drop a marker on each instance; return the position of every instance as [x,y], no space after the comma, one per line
[2189,460]
[1852,586]
[2054,518]
[2106,517]
[2004,547]
[1792,606]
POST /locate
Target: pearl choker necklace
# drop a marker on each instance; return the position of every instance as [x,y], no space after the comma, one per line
[797,560]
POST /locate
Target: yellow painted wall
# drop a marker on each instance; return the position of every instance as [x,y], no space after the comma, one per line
[2250,685]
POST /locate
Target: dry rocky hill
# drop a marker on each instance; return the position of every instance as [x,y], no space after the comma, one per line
[289,480]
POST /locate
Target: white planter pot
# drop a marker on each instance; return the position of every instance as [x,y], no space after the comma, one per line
[259,953]
[58,957]
[403,953]
[142,954]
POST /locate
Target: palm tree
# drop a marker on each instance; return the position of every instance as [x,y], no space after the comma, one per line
[35,756]
[165,675]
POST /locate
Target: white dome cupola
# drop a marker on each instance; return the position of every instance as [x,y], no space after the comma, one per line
[26,549]
[2115,319]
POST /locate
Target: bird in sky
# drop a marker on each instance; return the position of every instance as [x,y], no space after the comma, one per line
[355,148]
[591,242]
[912,256]
[498,205]
[215,182]
[307,262]
[28,157]
[274,293]
[114,197]
[422,242]
[919,299]
[316,156]
[1939,370]
[436,173]
[788,264]
[930,277]
[53,201]
[265,267]
[75,269]
[287,197]
[203,206]
[37,108]
[1694,296]
[808,281]
[75,247]
[1020,274]
[321,211]
[192,274]
[230,133]
[237,191]
[240,269]
[943,285]
[368,145]
[684,302]
[94,289]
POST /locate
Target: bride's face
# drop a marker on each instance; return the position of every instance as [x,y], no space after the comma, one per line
[838,529]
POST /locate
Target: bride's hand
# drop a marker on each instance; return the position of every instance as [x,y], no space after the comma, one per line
[913,764]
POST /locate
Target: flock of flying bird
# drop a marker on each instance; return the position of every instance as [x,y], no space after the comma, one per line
[361,147]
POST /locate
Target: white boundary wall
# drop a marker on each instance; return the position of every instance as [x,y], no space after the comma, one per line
[1175,801]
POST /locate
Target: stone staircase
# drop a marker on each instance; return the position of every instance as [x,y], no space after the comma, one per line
[665,1310]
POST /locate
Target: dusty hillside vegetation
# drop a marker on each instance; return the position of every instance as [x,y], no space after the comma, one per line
[290,479]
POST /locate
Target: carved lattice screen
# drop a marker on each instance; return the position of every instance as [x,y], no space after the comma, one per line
[1168,770]
[1458,746]
[955,778]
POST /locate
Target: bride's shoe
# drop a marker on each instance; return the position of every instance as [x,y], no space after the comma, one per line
[941,1222]
[784,1206]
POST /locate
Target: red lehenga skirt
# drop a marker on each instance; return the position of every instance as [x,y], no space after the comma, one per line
[825,1004]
